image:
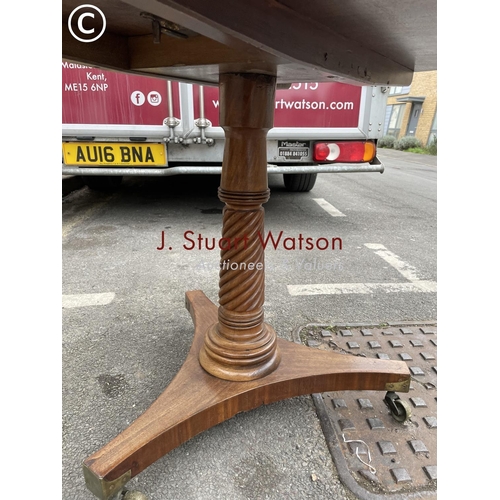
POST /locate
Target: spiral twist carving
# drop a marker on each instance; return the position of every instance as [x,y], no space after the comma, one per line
[240,288]
[241,346]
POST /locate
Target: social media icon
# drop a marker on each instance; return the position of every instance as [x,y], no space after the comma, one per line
[87,23]
[137,98]
[154,98]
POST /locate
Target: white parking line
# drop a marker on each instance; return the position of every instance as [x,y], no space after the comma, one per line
[414,284]
[327,207]
[361,288]
[88,299]
[406,270]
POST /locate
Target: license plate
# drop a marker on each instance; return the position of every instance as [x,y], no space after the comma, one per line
[123,154]
[293,150]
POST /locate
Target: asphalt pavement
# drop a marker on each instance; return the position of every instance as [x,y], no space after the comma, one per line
[126,331]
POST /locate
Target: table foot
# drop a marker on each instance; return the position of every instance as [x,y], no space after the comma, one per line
[196,401]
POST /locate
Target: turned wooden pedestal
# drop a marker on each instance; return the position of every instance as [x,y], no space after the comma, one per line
[236,362]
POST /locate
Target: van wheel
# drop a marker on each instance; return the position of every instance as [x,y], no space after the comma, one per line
[105,183]
[299,183]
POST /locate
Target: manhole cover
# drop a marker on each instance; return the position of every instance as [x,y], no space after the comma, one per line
[375,454]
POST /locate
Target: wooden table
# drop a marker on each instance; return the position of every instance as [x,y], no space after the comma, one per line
[236,361]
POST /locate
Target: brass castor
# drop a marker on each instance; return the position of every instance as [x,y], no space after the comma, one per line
[125,494]
[400,409]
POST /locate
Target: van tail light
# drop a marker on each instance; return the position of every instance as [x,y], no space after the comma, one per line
[344,151]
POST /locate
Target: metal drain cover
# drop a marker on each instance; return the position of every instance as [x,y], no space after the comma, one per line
[376,455]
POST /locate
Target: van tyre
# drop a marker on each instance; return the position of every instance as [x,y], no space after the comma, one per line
[106,183]
[299,183]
